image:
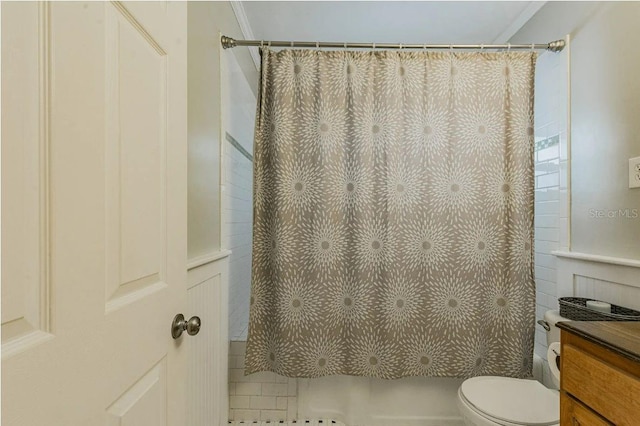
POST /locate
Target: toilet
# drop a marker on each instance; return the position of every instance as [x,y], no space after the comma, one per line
[505,401]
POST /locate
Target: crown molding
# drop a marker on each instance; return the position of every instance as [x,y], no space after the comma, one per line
[519,22]
[245,27]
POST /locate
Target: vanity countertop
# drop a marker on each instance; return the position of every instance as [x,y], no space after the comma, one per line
[622,337]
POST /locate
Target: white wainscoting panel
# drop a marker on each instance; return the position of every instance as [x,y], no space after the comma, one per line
[612,280]
[616,281]
[208,351]
[612,292]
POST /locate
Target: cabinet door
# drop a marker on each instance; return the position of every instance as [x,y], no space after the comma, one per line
[573,413]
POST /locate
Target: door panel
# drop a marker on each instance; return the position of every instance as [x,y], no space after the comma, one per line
[93,212]
[136,155]
[144,403]
[25,279]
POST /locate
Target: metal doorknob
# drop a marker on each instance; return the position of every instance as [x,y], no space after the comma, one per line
[179,324]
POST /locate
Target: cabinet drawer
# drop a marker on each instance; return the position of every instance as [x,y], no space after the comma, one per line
[572,413]
[604,388]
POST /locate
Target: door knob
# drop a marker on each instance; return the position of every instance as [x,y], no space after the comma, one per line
[179,324]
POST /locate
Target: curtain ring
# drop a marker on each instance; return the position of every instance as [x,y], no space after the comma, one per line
[345,44]
[508,47]
[533,47]
[482,47]
[261,44]
[291,44]
[424,46]
[400,46]
[269,44]
[374,46]
[318,45]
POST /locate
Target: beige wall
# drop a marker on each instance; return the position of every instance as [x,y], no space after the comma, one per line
[205,21]
[605,124]
[606,132]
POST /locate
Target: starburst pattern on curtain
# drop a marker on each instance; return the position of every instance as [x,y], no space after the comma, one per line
[393,201]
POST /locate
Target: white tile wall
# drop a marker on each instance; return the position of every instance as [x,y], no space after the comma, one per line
[260,396]
[551,203]
[237,181]
[237,224]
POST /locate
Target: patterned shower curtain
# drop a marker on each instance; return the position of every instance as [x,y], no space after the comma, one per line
[393,214]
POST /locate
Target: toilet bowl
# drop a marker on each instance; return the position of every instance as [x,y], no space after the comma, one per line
[505,401]
[492,401]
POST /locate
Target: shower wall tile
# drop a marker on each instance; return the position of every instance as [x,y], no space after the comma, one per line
[245,414]
[546,287]
[260,396]
[281,402]
[237,348]
[236,401]
[292,408]
[564,147]
[547,194]
[547,234]
[548,180]
[273,415]
[551,206]
[545,260]
[275,389]
[546,246]
[263,402]
[239,105]
[548,207]
[236,234]
[249,389]
[545,273]
[547,221]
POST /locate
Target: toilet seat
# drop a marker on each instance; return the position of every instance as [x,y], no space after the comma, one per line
[511,402]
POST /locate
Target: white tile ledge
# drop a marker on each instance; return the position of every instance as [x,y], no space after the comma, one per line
[621,261]
[207,258]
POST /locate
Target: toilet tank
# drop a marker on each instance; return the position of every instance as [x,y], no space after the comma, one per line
[551,318]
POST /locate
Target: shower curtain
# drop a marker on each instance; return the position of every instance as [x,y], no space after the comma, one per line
[393,214]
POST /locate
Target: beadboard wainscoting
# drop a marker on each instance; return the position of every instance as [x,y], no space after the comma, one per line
[610,279]
[207,297]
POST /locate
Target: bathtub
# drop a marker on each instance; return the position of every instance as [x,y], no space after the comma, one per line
[361,401]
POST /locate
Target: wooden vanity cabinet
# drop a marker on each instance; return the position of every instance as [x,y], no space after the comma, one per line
[600,373]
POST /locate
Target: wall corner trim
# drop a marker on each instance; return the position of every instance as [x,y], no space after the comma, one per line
[245,27]
[207,258]
[519,22]
[633,263]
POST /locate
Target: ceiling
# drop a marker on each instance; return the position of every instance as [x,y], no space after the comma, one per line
[436,22]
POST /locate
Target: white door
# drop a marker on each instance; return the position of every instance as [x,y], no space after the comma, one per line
[93,213]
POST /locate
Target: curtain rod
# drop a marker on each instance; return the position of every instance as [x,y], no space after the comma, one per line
[228,43]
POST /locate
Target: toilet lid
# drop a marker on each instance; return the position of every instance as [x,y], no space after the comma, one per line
[519,401]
